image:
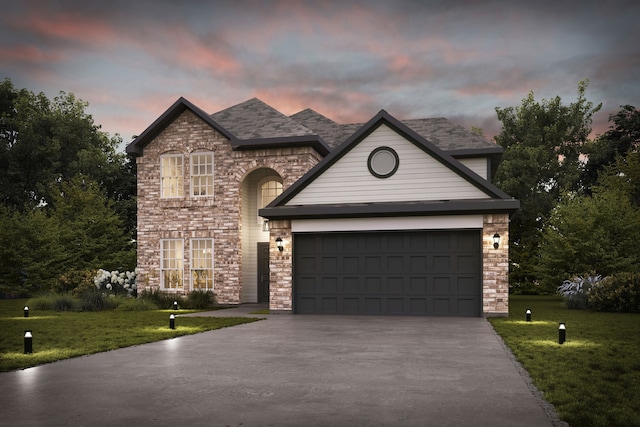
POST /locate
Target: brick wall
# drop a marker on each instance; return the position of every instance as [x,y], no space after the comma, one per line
[281,268]
[495,266]
[217,216]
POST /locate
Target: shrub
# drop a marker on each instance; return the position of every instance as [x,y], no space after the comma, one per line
[576,291]
[94,300]
[74,281]
[55,302]
[619,292]
[200,299]
[163,300]
[116,282]
[138,304]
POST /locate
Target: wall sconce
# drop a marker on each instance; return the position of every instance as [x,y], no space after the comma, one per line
[496,241]
[279,244]
[265,224]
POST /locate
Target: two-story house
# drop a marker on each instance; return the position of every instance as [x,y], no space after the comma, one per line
[313,216]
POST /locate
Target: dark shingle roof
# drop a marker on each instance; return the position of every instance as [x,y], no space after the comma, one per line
[254,119]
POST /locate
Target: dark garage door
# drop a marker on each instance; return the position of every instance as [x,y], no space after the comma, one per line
[397,273]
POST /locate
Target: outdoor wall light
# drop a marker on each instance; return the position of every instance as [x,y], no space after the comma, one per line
[562,333]
[172,322]
[28,342]
[496,241]
[528,315]
[279,244]
[265,224]
[26,311]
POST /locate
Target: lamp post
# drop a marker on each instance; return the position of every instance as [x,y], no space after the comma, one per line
[172,322]
[28,342]
[528,315]
[26,311]
[175,305]
[562,333]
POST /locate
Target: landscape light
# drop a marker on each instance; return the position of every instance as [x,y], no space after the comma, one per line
[172,322]
[28,342]
[562,333]
[26,311]
[528,314]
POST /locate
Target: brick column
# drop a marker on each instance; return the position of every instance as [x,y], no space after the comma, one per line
[281,268]
[495,266]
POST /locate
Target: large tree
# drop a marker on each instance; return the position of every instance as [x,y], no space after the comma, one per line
[543,142]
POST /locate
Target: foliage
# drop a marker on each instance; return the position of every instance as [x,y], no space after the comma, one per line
[619,292]
[542,144]
[593,379]
[116,282]
[577,290]
[164,300]
[587,233]
[137,304]
[75,281]
[94,300]
[54,302]
[201,299]
[61,335]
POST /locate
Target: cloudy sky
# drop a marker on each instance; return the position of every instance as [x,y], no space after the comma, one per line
[130,60]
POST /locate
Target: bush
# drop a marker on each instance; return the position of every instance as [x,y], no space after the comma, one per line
[74,281]
[137,304]
[619,292]
[576,291]
[55,302]
[200,299]
[163,300]
[94,300]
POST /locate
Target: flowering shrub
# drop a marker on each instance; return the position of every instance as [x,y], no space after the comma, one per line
[576,291]
[116,282]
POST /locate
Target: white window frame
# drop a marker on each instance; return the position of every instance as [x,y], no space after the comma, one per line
[202,253]
[261,200]
[197,176]
[172,267]
[172,186]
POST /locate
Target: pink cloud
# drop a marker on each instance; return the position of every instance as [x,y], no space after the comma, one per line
[29,54]
[70,26]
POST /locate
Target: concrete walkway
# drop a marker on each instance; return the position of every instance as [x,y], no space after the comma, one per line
[287,371]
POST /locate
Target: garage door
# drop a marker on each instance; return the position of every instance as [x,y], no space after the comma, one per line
[396,273]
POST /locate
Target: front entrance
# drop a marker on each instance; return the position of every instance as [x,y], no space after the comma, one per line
[263,272]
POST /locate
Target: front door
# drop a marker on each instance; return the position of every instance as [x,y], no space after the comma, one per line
[263,272]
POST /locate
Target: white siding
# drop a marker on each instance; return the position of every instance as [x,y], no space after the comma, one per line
[419,177]
[388,224]
[477,164]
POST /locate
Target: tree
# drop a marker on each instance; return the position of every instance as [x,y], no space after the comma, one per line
[622,138]
[542,144]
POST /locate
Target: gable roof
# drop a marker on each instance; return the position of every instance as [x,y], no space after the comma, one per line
[180,106]
[496,198]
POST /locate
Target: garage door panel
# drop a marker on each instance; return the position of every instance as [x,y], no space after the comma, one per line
[408,272]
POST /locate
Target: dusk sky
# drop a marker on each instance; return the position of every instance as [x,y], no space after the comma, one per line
[130,60]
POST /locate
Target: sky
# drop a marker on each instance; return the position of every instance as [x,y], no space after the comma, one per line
[131,60]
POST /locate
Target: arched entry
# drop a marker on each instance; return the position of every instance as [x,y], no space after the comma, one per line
[259,188]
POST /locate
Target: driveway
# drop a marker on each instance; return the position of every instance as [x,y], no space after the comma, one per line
[288,371]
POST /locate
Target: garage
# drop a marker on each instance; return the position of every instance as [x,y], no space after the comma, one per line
[417,272]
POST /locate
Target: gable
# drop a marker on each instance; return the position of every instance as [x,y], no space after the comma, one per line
[418,177]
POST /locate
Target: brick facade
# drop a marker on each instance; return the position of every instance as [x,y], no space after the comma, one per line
[495,266]
[217,216]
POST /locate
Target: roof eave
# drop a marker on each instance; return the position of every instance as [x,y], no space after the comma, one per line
[314,141]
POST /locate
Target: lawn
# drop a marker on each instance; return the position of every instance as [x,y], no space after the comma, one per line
[593,379]
[61,335]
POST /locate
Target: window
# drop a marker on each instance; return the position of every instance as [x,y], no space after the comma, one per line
[267,193]
[202,263]
[171,263]
[202,174]
[171,176]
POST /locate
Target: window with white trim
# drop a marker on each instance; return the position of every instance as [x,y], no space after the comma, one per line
[267,192]
[171,263]
[202,264]
[171,176]
[202,174]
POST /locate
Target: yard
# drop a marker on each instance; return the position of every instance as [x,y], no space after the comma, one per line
[593,379]
[61,335]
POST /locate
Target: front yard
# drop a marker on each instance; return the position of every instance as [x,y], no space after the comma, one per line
[61,335]
[593,379]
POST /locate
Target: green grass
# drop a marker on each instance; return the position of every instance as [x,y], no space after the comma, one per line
[593,379]
[61,335]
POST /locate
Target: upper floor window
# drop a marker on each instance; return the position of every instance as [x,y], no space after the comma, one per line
[171,176]
[202,174]
[267,193]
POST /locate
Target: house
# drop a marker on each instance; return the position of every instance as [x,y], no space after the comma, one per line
[313,216]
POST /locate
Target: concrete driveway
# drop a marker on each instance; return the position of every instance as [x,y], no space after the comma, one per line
[288,371]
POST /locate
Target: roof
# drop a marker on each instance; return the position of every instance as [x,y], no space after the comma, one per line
[496,200]
[253,125]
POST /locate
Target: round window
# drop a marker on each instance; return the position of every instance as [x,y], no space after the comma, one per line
[383,162]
